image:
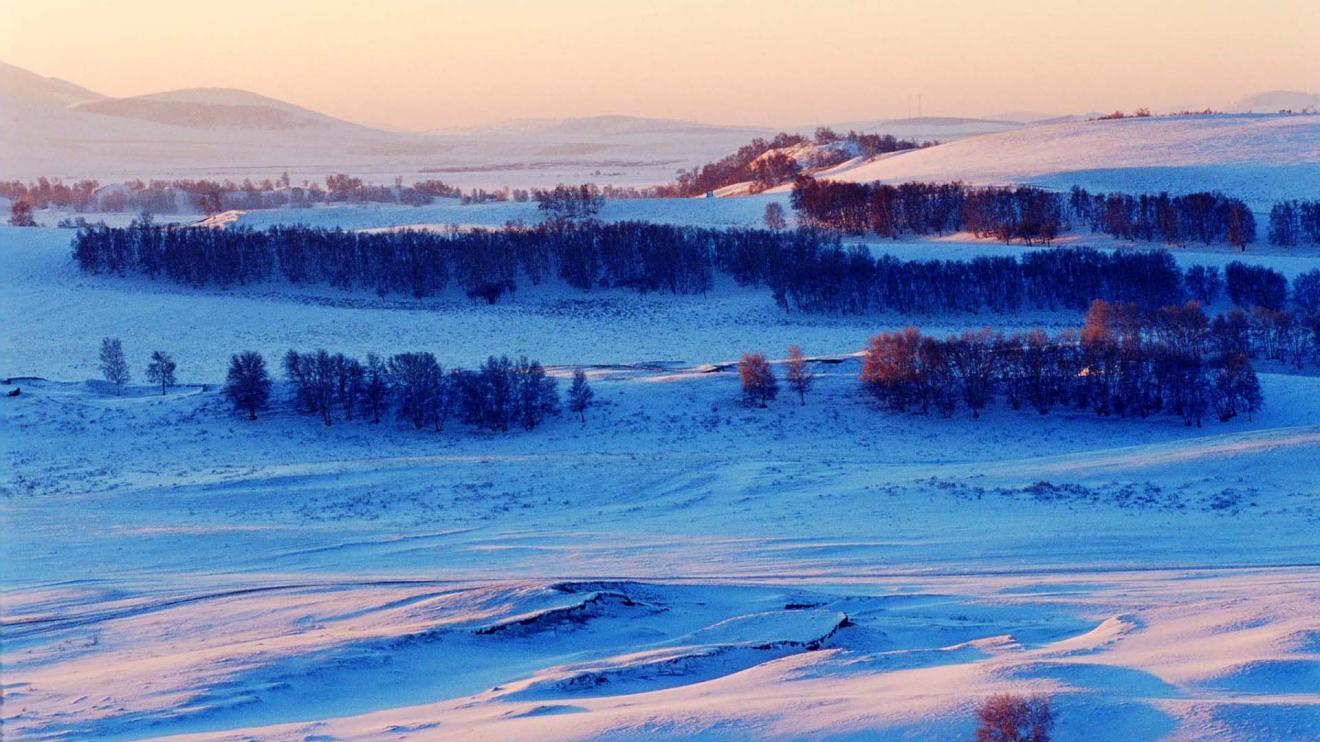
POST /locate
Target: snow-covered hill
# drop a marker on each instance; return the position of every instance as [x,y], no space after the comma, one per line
[214,108]
[1277,100]
[594,127]
[930,128]
[18,87]
[50,127]
[1257,157]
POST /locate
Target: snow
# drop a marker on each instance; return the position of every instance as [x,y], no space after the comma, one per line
[1260,158]
[930,128]
[281,579]
[52,128]
[678,566]
[1278,100]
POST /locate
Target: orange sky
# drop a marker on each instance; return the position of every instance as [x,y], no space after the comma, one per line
[419,65]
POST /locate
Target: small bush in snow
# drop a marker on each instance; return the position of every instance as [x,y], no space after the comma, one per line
[1010,718]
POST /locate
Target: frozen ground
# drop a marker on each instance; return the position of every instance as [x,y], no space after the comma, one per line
[678,566]
[62,313]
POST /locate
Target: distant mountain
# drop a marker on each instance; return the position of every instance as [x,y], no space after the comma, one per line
[1024,117]
[20,87]
[50,127]
[928,128]
[212,108]
[591,127]
[1277,100]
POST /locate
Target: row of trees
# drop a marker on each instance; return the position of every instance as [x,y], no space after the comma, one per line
[1125,361]
[212,196]
[1206,217]
[1032,215]
[760,385]
[485,264]
[569,203]
[806,269]
[1295,222]
[499,394]
[819,277]
[114,366]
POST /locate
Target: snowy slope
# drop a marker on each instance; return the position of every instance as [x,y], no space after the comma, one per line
[1257,157]
[18,87]
[679,566]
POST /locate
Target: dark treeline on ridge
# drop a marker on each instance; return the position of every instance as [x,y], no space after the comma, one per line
[806,269]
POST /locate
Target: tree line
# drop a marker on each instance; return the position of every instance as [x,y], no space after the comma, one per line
[1125,360]
[1205,217]
[1025,213]
[500,394]
[183,195]
[1029,214]
[805,269]
[1034,215]
[1295,222]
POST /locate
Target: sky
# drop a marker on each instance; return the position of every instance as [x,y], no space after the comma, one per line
[421,65]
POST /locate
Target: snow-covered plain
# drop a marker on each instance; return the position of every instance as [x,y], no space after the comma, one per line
[678,566]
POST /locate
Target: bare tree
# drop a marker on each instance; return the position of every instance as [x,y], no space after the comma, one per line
[247,385]
[759,385]
[113,366]
[580,394]
[798,374]
[20,214]
[774,216]
[161,370]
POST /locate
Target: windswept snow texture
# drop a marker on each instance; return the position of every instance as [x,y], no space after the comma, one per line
[1260,158]
[676,567]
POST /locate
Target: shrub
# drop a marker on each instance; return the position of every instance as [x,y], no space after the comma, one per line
[1010,718]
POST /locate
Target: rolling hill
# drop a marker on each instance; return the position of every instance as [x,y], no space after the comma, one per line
[212,108]
[50,127]
[1258,157]
[1277,100]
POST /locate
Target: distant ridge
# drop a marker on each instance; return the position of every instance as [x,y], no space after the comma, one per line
[1277,100]
[604,125]
[207,108]
[32,89]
